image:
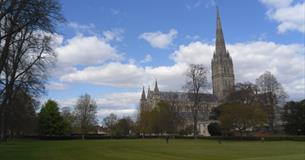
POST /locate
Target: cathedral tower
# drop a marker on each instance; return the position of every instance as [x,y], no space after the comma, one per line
[222,65]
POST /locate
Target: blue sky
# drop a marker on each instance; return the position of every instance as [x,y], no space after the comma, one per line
[110,49]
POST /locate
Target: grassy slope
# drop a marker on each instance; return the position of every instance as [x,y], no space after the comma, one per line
[155,149]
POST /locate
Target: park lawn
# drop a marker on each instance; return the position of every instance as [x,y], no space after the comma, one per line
[151,149]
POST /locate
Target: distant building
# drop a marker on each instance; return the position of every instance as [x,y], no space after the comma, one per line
[223,81]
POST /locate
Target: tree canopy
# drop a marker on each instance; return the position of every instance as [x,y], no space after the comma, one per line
[240,118]
[294,117]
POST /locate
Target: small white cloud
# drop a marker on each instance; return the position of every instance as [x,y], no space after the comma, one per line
[159,39]
[277,3]
[82,28]
[193,38]
[194,5]
[210,3]
[56,86]
[146,59]
[289,15]
[113,35]
[115,11]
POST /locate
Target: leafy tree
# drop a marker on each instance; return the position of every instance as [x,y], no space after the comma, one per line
[85,114]
[50,122]
[167,119]
[241,118]
[123,127]
[69,120]
[196,82]
[143,121]
[161,119]
[294,117]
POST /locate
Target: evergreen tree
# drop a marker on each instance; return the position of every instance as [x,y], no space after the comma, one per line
[50,122]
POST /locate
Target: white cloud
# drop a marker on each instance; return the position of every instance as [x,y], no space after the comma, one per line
[159,39]
[210,3]
[112,74]
[194,5]
[277,3]
[115,101]
[289,15]
[56,86]
[194,53]
[193,38]
[169,77]
[129,75]
[86,50]
[82,28]
[146,59]
[113,35]
[115,11]
[121,104]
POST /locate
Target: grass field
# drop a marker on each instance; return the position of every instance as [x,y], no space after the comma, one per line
[151,149]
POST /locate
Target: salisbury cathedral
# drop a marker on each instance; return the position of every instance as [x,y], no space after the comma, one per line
[222,80]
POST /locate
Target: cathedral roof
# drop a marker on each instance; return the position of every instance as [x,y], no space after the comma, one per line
[183,96]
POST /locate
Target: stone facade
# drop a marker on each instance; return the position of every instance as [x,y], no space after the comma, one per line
[222,79]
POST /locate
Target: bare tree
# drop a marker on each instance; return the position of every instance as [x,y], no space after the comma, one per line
[110,121]
[195,84]
[19,15]
[243,93]
[272,94]
[85,114]
[25,49]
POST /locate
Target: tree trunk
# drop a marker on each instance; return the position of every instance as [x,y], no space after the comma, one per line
[3,127]
[195,127]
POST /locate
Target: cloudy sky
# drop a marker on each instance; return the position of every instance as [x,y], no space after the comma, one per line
[111,48]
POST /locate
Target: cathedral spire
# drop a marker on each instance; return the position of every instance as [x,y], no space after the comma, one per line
[148,92]
[220,42]
[143,97]
[222,65]
[156,87]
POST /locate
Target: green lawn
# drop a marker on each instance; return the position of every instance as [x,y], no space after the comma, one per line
[151,149]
